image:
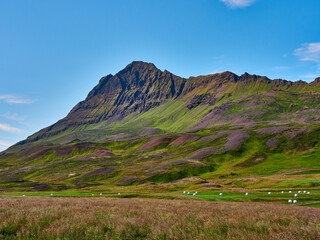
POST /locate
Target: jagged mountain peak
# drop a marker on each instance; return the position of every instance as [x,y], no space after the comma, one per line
[229,76]
[140,65]
[315,82]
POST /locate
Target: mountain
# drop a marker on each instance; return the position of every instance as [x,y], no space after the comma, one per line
[139,89]
[143,124]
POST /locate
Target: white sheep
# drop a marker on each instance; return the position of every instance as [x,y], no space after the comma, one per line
[188,192]
[290,201]
[51,194]
[100,194]
[269,193]
[220,194]
[23,195]
[299,191]
[184,191]
[290,191]
[308,192]
[296,195]
[119,193]
[247,193]
[304,191]
[282,191]
[295,201]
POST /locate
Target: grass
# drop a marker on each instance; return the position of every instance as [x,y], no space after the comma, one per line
[106,218]
[229,195]
[306,172]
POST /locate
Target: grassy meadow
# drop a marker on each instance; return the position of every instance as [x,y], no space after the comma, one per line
[122,218]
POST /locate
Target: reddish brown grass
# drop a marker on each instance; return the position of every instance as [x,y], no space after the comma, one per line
[153,143]
[103,218]
[183,139]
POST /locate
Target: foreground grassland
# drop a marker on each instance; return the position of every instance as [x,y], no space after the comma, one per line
[112,218]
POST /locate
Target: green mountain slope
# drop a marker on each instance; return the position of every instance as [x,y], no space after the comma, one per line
[145,125]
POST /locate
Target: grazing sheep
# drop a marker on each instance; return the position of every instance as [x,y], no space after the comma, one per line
[23,195]
[290,201]
[220,194]
[100,194]
[184,191]
[282,191]
[247,193]
[295,201]
[92,194]
[296,195]
[188,192]
[304,191]
[290,191]
[119,193]
[269,193]
[194,194]
[299,191]
[308,192]
[51,194]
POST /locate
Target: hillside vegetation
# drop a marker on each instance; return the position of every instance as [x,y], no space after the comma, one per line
[144,127]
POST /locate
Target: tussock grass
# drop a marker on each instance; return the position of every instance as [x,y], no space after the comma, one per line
[105,218]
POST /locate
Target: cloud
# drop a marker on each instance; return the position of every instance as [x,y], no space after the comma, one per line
[309,52]
[4,145]
[310,76]
[15,99]
[7,128]
[238,3]
[14,117]
[281,68]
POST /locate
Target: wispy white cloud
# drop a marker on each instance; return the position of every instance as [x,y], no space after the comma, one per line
[8,128]
[309,52]
[14,117]
[309,76]
[281,68]
[238,3]
[15,99]
[4,145]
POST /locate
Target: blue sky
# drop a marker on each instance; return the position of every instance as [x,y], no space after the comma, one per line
[52,53]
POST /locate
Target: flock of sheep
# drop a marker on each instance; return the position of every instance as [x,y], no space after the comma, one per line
[289,201]
[195,193]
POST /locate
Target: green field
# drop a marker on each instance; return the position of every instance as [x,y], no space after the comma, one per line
[231,195]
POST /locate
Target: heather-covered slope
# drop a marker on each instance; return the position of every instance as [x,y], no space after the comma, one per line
[280,156]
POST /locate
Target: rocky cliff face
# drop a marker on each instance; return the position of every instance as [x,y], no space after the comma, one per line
[140,87]
[137,88]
